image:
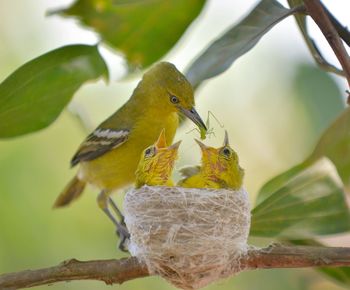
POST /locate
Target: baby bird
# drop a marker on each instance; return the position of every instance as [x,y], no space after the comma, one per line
[220,169]
[157,163]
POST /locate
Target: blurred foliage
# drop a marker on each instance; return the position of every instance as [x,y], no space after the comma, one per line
[321,102]
[143,31]
[334,144]
[305,201]
[238,40]
[35,94]
[310,203]
[321,98]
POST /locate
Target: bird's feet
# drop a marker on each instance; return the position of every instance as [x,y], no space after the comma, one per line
[122,221]
[124,235]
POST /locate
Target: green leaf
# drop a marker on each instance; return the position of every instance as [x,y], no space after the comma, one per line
[33,96]
[335,144]
[337,274]
[143,30]
[320,103]
[319,97]
[238,40]
[309,203]
[274,184]
[315,52]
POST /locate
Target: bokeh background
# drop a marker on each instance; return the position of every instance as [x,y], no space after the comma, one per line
[273,101]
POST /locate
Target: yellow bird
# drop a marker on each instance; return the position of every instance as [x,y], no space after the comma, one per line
[157,163]
[219,169]
[109,156]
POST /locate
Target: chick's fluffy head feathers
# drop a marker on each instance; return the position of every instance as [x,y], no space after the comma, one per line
[156,163]
[219,169]
[221,164]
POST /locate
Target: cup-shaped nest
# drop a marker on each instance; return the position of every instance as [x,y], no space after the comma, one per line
[189,236]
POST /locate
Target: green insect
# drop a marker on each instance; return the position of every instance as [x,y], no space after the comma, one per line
[210,130]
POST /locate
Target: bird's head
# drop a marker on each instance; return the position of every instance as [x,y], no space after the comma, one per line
[172,92]
[222,164]
[157,163]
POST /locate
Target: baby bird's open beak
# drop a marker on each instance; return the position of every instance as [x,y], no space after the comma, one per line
[169,154]
[175,146]
[202,145]
[172,150]
[194,117]
[226,141]
[161,142]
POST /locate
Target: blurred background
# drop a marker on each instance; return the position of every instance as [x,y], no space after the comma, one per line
[273,101]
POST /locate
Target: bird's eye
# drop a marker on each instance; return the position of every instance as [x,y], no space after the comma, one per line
[226,152]
[174,99]
[149,152]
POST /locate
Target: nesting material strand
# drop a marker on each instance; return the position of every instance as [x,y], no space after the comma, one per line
[191,237]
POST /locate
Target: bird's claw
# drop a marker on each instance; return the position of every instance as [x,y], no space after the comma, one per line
[124,235]
[122,221]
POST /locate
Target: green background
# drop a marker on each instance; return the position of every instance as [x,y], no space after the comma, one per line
[274,103]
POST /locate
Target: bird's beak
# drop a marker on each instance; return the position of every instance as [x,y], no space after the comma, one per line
[175,146]
[226,142]
[194,117]
[202,145]
[161,142]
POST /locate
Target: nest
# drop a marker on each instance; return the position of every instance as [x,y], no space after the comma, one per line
[190,237]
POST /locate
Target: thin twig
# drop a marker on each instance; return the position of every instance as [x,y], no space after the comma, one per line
[317,12]
[311,44]
[343,31]
[119,271]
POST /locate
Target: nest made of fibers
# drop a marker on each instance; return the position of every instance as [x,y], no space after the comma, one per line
[191,237]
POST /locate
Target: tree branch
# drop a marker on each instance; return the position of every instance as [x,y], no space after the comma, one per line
[342,30]
[277,256]
[119,271]
[319,15]
[109,271]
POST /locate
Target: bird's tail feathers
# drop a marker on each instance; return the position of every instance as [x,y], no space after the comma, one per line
[71,192]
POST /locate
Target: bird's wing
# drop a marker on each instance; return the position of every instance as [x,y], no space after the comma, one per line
[98,143]
[189,171]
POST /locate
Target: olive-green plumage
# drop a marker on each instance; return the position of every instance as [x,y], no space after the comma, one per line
[109,156]
[157,163]
[219,169]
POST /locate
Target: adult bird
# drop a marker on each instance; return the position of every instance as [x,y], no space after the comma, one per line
[109,156]
[219,169]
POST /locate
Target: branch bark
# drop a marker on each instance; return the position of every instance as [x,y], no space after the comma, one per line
[119,271]
[319,15]
[108,271]
[343,31]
